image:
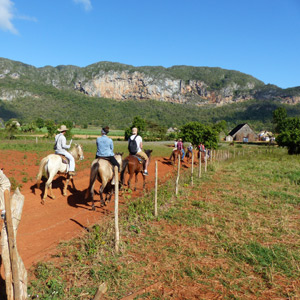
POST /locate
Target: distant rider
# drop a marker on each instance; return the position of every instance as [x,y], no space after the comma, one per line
[61,147]
[140,152]
[181,148]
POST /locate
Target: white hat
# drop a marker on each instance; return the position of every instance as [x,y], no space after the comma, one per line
[62,128]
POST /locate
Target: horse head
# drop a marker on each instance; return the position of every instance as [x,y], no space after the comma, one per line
[118,157]
[148,152]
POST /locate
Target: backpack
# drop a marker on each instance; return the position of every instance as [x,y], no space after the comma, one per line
[132,146]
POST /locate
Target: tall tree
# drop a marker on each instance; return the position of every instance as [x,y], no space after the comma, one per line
[196,133]
[279,117]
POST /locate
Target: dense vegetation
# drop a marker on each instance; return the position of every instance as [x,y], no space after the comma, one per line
[65,105]
[288,130]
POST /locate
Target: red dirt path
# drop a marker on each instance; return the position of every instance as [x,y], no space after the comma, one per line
[43,227]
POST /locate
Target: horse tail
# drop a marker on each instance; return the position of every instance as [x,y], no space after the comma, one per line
[40,173]
[93,176]
[124,168]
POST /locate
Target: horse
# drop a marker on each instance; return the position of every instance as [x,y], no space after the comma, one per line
[174,155]
[132,165]
[102,170]
[53,164]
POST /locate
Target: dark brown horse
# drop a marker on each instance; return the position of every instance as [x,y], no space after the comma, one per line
[132,165]
[174,155]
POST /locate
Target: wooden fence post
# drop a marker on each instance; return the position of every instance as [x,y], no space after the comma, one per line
[177,178]
[155,193]
[117,233]
[200,163]
[15,272]
[192,179]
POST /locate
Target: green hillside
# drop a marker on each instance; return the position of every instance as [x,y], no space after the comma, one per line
[49,93]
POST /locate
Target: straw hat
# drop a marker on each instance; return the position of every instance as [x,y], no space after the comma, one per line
[62,128]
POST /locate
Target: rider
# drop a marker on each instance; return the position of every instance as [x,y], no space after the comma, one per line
[61,146]
[190,148]
[180,147]
[139,142]
[105,148]
[175,145]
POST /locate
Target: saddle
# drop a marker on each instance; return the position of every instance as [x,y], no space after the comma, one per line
[140,159]
[64,159]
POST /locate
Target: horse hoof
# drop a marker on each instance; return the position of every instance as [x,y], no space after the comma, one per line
[43,202]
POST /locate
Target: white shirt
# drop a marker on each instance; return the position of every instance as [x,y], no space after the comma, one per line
[138,140]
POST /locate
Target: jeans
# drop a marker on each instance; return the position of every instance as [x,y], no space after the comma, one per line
[111,159]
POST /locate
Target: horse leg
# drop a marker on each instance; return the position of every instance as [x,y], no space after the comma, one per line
[129,180]
[51,191]
[48,184]
[45,193]
[104,182]
[66,185]
[136,179]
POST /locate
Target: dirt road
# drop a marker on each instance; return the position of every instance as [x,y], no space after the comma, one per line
[42,227]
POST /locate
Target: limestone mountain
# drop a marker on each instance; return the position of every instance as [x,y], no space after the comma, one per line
[177,84]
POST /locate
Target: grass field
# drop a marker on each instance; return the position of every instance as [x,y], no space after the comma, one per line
[234,235]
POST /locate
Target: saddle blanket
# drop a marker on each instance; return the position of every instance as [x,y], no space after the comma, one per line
[141,160]
[64,159]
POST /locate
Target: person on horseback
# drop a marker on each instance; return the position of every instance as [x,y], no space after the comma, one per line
[201,147]
[139,142]
[175,145]
[190,148]
[105,148]
[61,147]
[180,147]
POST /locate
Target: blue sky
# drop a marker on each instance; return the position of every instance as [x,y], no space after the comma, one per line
[257,37]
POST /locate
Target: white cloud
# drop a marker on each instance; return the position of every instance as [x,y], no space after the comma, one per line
[86,4]
[6,16]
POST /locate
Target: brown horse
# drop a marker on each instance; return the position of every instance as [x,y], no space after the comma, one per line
[174,155]
[132,165]
[102,170]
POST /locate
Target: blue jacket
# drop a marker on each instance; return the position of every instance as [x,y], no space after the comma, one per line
[105,146]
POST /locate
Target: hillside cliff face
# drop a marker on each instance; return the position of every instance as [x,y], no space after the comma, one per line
[178,84]
[137,85]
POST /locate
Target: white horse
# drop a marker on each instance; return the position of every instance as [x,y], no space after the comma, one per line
[53,164]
